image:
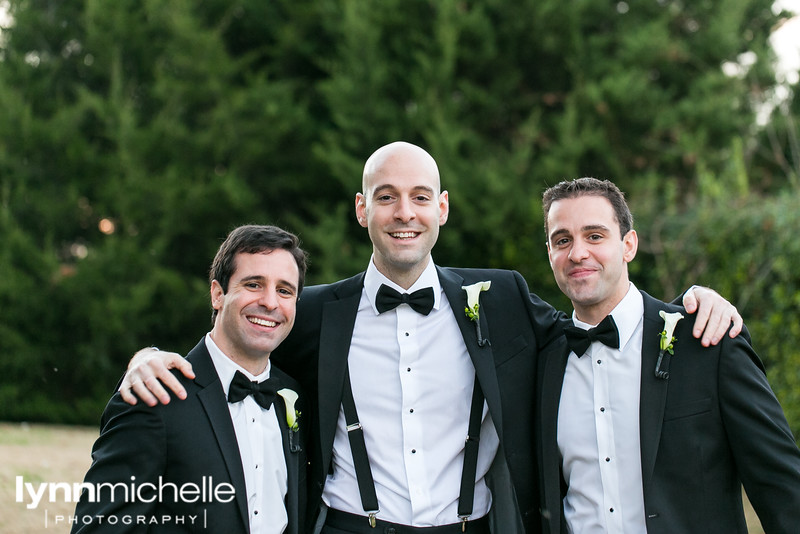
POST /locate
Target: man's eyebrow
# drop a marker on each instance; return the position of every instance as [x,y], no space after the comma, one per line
[252,278]
[590,227]
[381,188]
[259,278]
[424,188]
[389,187]
[587,228]
[288,284]
[556,233]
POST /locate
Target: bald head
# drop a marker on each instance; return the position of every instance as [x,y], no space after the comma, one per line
[399,154]
[402,207]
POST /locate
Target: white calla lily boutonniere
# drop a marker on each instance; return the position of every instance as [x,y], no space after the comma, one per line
[666,342]
[292,415]
[473,306]
[289,399]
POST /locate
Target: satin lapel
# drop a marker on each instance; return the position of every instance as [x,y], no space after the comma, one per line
[653,390]
[482,357]
[556,358]
[336,333]
[213,401]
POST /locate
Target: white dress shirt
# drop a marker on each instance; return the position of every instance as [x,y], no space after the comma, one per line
[261,448]
[598,430]
[412,381]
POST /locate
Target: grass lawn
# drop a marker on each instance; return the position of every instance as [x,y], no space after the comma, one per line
[40,453]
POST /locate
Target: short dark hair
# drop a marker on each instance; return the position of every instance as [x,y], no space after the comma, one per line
[254,239]
[589,186]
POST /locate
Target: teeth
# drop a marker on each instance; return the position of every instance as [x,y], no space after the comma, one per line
[262,322]
[402,235]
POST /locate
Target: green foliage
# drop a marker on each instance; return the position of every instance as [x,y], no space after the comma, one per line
[125,160]
[746,248]
[136,134]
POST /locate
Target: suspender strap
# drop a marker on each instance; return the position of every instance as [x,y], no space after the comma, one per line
[467,495]
[366,484]
[355,433]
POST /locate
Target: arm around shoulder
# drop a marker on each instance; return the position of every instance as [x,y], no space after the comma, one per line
[548,323]
[128,454]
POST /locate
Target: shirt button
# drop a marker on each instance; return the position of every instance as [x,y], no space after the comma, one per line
[255,513]
[413,451]
[411,410]
[408,370]
[602,409]
[407,334]
[611,510]
[608,459]
[599,362]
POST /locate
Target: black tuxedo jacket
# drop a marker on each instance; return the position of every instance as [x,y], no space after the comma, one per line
[182,442]
[714,425]
[514,321]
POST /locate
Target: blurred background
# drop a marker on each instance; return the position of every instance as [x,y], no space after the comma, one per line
[135,134]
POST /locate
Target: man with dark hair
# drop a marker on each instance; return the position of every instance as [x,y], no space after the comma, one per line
[642,428]
[230,457]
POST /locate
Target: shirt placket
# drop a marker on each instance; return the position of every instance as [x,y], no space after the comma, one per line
[255,434]
[413,435]
[604,422]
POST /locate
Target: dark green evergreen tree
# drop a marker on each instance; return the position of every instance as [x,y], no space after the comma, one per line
[135,135]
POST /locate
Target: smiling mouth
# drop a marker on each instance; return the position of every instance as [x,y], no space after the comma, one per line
[404,235]
[262,322]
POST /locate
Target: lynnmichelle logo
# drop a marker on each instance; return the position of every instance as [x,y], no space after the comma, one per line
[34,495]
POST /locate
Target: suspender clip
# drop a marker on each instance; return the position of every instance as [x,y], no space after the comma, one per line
[354,426]
[464,519]
[372,518]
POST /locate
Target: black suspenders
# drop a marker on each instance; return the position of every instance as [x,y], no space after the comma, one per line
[355,433]
[366,484]
[467,493]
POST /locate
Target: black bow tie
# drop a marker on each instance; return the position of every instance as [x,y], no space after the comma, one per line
[421,301]
[579,339]
[263,392]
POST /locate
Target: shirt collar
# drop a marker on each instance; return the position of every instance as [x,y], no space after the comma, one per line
[226,367]
[373,279]
[627,315]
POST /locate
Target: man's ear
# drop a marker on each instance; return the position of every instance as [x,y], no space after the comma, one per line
[361,209]
[444,207]
[217,295]
[630,244]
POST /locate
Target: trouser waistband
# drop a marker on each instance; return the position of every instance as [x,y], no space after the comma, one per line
[359,524]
